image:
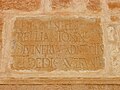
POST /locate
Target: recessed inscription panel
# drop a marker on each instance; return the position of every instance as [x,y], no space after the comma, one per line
[57,43]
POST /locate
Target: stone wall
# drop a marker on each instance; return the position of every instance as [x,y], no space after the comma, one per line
[44,39]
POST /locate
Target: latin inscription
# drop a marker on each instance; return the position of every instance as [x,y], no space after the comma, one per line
[57,43]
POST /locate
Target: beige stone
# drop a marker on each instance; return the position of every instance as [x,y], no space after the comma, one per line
[59,87]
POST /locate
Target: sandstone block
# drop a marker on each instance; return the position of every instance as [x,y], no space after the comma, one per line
[57,43]
[22,5]
[89,6]
[114,5]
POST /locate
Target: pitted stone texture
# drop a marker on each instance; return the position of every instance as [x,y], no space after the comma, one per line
[57,43]
[115,18]
[114,46]
[23,5]
[94,5]
[114,6]
[77,5]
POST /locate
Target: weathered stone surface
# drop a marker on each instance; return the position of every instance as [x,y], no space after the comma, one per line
[82,48]
[1,24]
[94,5]
[61,3]
[114,44]
[1,28]
[89,6]
[114,4]
[115,18]
[59,87]
[48,44]
[23,5]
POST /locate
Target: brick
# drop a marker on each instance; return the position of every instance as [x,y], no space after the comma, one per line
[48,44]
[61,3]
[94,5]
[89,6]
[22,5]
[114,5]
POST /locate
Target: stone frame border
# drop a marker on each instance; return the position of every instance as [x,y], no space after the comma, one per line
[61,81]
